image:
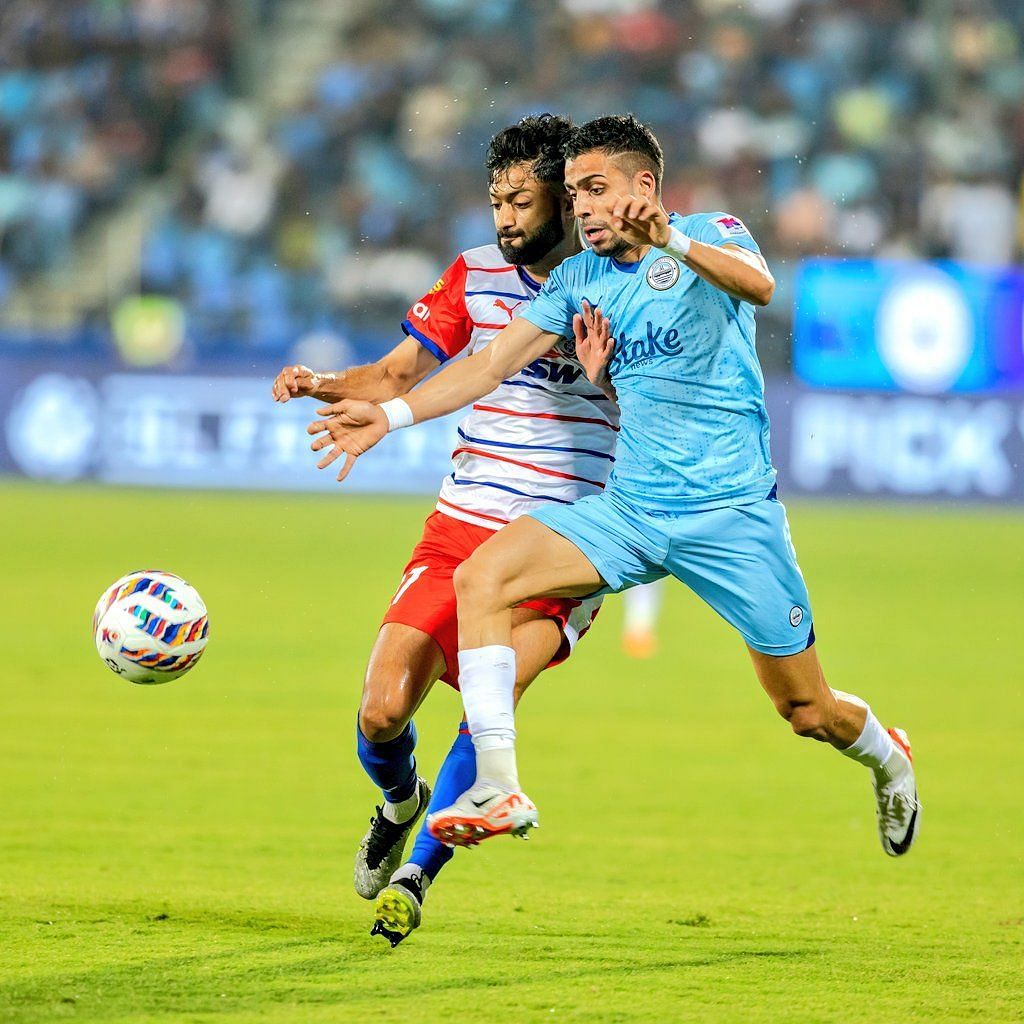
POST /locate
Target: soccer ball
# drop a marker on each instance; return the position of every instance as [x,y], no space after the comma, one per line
[150,626]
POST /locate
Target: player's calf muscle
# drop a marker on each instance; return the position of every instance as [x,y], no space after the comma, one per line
[811,720]
[797,688]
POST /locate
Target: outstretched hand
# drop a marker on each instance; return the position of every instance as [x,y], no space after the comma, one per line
[349,428]
[594,344]
[640,221]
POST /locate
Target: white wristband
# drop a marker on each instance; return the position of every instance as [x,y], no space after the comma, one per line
[678,244]
[398,413]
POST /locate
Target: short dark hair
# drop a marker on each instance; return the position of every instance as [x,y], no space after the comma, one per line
[538,139]
[619,135]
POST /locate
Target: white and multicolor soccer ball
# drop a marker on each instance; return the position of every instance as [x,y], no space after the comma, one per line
[150,626]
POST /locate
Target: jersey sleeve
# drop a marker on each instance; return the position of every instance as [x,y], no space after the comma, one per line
[721,229]
[440,321]
[553,308]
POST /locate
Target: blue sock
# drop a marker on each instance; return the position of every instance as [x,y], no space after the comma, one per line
[457,774]
[390,764]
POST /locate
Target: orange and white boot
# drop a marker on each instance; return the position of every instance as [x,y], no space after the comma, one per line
[899,809]
[482,812]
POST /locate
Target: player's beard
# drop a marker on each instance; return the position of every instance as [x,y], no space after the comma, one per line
[615,247]
[533,248]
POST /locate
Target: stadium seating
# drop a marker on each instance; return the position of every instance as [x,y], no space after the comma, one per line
[832,127]
[92,97]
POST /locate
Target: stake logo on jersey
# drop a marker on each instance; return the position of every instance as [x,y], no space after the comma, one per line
[544,436]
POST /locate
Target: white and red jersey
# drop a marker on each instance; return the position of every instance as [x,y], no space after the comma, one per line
[546,435]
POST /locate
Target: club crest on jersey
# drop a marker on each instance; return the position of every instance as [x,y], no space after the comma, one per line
[796,615]
[663,273]
[565,347]
[729,226]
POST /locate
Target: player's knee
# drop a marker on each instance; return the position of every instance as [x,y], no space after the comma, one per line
[480,583]
[382,716]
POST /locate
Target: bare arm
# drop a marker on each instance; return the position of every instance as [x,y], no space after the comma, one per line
[478,375]
[354,427]
[395,374]
[737,271]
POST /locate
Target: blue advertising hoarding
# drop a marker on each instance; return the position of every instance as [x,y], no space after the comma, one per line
[208,429]
[922,328]
[86,421]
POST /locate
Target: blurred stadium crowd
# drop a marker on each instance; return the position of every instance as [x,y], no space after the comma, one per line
[93,95]
[883,127]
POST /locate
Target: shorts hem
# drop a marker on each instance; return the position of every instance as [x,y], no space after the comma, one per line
[783,650]
[613,582]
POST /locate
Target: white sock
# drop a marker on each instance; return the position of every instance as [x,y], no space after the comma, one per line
[487,677]
[874,747]
[498,765]
[403,810]
[415,874]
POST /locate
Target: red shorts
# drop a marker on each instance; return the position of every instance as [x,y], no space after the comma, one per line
[425,598]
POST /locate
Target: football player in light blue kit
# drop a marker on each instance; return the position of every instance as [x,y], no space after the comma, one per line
[692,493]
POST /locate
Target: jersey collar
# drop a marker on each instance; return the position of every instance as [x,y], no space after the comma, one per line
[626,268]
[534,286]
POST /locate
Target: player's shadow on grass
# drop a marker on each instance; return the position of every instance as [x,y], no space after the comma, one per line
[212,960]
[251,976]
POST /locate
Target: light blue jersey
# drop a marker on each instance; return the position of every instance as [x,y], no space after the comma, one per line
[693,489]
[694,425]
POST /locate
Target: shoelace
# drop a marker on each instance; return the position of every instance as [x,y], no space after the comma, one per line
[414,883]
[383,834]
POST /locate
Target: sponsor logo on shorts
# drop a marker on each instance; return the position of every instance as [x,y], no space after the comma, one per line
[796,615]
[663,273]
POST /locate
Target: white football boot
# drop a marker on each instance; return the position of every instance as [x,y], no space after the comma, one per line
[381,849]
[899,810]
[483,811]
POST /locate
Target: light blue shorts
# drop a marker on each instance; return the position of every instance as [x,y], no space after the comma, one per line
[739,559]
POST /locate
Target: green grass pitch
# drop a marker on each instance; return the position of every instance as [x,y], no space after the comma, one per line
[183,853]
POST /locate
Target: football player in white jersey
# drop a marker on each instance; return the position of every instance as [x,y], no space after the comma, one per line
[545,436]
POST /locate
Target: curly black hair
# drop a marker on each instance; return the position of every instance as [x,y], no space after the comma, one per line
[619,135]
[539,138]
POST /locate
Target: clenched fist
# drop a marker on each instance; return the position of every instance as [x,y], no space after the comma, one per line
[640,221]
[298,382]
